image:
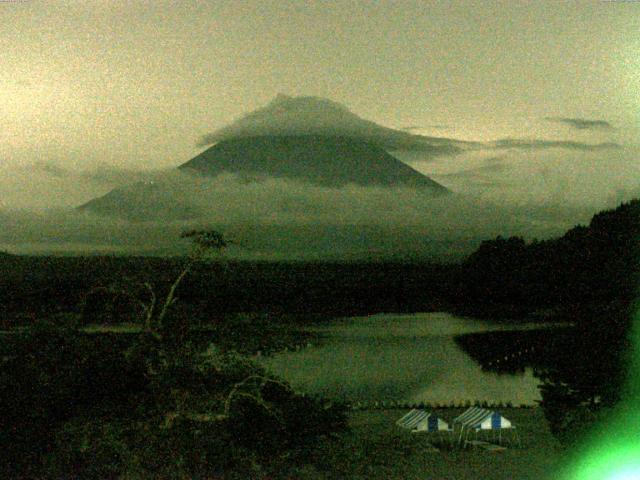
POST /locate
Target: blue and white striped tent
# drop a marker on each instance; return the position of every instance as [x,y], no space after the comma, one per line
[422,421]
[482,419]
[476,419]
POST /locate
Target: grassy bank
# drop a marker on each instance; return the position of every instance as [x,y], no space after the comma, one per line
[375,448]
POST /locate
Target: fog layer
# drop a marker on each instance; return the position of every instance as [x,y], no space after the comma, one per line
[276,219]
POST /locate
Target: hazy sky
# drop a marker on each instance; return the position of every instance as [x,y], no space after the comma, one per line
[138,83]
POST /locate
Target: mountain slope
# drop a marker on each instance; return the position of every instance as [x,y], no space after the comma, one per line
[330,161]
[143,201]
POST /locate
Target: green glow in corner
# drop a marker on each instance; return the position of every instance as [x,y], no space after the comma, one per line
[612,452]
[616,461]
[626,474]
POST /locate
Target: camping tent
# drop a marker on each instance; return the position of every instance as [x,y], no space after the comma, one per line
[478,420]
[420,421]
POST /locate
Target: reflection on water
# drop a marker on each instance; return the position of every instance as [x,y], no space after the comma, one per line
[400,357]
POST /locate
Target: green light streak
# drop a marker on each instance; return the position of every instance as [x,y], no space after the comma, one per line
[612,451]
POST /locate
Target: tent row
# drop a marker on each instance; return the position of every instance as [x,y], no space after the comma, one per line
[473,424]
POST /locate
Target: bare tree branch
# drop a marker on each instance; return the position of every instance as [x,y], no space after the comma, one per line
[235,389]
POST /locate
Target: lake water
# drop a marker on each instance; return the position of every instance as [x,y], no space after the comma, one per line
[410,358]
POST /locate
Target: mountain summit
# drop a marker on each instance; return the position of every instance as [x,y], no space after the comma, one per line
[297,116]
[316,140]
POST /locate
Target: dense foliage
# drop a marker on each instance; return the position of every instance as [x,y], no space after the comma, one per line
[54,373]
[149,405]
[87,406]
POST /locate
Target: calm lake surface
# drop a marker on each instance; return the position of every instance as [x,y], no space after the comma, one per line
[401,357]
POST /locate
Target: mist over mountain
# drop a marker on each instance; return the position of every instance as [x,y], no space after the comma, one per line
[185,194]
[307,139]
[46,185]
[306,115]
[282,219]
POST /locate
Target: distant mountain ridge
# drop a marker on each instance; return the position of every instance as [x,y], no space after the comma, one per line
[328,161]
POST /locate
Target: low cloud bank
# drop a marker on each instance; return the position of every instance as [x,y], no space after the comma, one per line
[539,144]
[582,123]
[46,185]
[566,179]
[535,194]
[281,219]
